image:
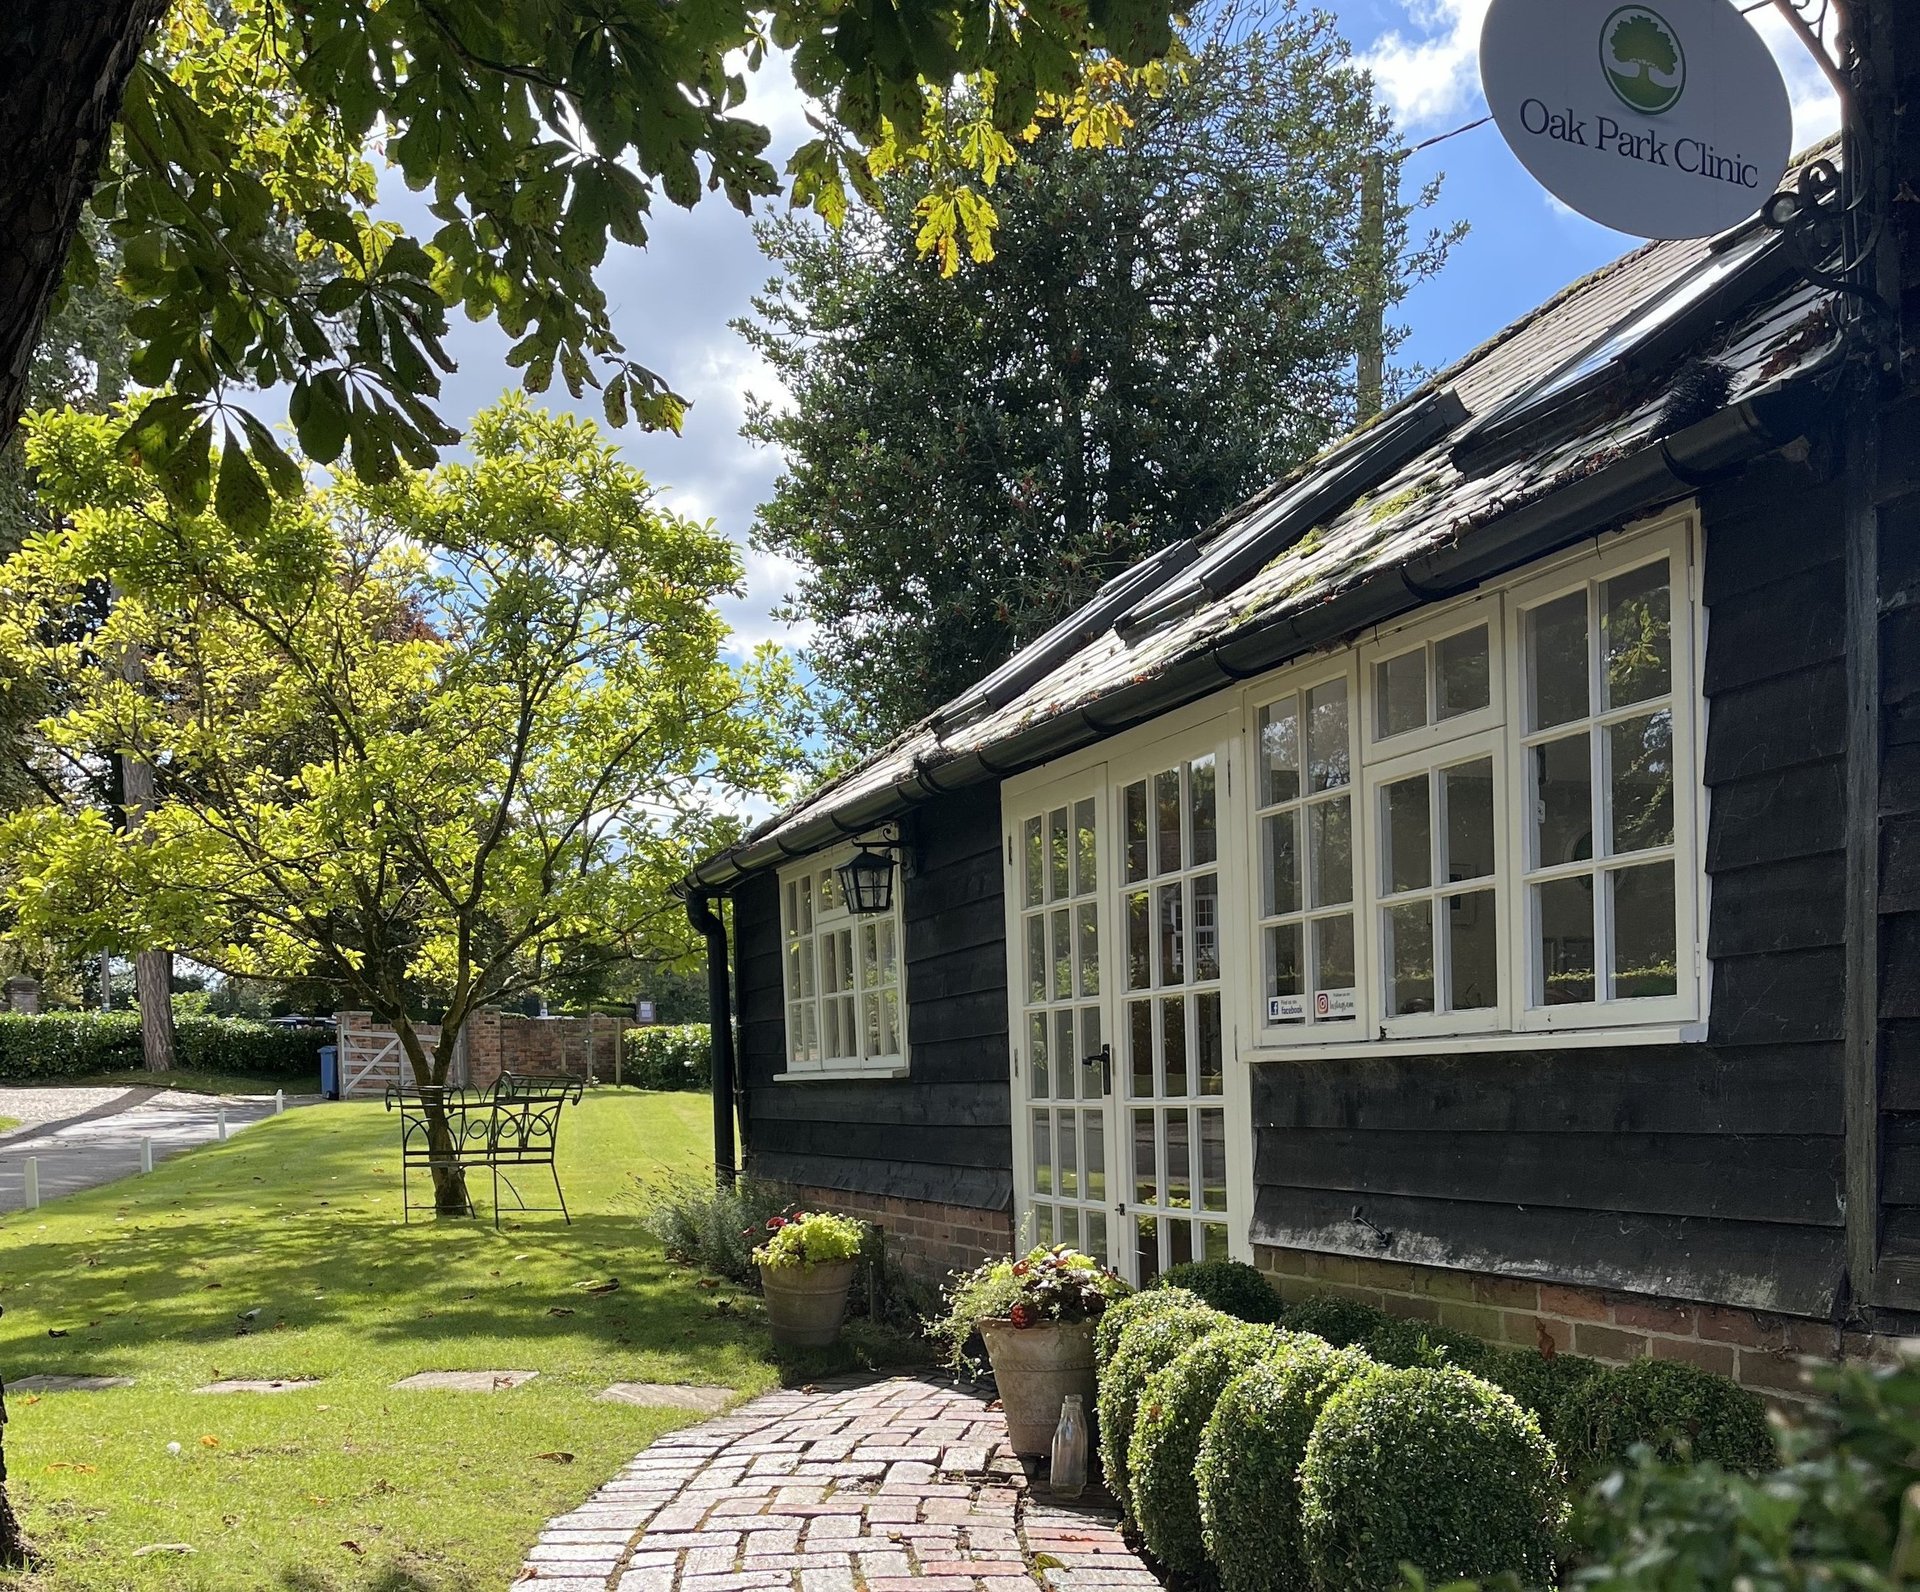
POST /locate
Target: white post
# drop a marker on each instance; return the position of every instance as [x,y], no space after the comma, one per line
[146,1154]
[279,1101]
[223,1124]
[32,1168]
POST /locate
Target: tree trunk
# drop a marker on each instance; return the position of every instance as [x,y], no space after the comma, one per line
[446,1124]
[15,1552]
[63,75]
[152,970]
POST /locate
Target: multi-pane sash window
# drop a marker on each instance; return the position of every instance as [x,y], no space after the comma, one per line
[1303,789]
[842,976]
[1597,672]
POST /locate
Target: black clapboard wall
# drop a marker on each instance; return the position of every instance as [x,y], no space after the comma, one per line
[1709,1171]
[943,1133]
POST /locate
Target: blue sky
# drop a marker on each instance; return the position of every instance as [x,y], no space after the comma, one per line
[673,301]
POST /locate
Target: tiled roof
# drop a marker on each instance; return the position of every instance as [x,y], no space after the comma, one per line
[1425,506]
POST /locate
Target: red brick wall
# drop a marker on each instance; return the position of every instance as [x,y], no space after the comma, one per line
[923,1238]
[1766,1352]
[552,1047]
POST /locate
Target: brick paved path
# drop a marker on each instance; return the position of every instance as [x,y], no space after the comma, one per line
[894,1486]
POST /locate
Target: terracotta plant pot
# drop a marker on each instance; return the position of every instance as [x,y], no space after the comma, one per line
[1036,1368]
[806,1304]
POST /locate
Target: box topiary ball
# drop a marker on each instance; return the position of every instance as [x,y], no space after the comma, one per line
[1174,1408]
[1229,1285]
[1340,1321]
[1247,1472]
[1430,1467]
[1539,1384]
[1145,1346]
[1395,1340]
[1119,1315]
[1679,1411]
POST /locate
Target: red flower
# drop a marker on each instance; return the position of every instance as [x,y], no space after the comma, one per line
[775,1223]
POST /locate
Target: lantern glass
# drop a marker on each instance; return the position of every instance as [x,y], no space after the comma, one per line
[866,881]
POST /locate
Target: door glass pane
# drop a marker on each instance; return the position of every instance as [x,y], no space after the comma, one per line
[1062,931]
[1286,976]
[1467,792]
[1168,916]
[1146,1252]
[1037,1047]
[1087,924]
[1093,1139]
[1639,638]
[1179,1243]
[1562,801]
[1166,821]
[1206,926]
[1557,661]
[1140,1049]
[1139,942]
[1173,1044]
[1407,842]
[1037,957]
[1473,976]
[1096,1245]
[1042,1152]
[1066,1060]
[1211,1059]
[1204,839]
[1059,855]
[1213,1160]
[1463,674]
[1564,910]
[1179,1171]
[1034,849]
[1067,1140]
[1216,1241]
[1640,773]
[1330,853]
[1086,849]
[1409,959]
[1643,932]
[1328,760]
[1093,1082]
[1279,753]
[1135,802]
[1400,692]
[1333,966]
[1279,844]
[1043,1225]
[1146,1180]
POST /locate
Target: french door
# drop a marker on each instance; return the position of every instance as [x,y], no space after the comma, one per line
[1118,892]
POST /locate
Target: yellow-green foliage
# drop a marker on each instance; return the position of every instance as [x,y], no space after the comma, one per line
[809,1238]
[1145,1346]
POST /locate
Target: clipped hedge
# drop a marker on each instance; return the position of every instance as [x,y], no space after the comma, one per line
[1174,1408]
[1229,1285]
[52,1045]
[1539,1384]
[1342,1322]
[1145,1347]
[1682,1413]
[1392,1340]
[1122,1313]
[1435,1468]
[668,1056]
[1248,1470]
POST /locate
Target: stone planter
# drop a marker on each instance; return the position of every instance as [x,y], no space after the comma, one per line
[1036,1368]
[806,1304]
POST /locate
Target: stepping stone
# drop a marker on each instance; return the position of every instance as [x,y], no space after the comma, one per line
[467,1381]
[242,1385]
[668,1396]
[67,1384]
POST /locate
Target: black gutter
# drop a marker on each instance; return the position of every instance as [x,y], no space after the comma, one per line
[701,915]
[1659,473]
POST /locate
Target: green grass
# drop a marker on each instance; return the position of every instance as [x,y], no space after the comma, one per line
[350,1484]
[8,1124]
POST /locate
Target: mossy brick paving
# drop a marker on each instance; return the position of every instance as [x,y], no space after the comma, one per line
[901,1485]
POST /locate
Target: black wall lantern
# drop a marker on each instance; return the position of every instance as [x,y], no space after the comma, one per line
[866,880]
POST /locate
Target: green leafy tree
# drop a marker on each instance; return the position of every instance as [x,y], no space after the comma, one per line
[1168,325]
[443,740]
[546,129]
[1640,40]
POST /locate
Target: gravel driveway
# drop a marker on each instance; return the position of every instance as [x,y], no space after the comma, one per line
[36,1107]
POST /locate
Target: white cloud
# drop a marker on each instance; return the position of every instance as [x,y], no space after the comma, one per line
[1428,70]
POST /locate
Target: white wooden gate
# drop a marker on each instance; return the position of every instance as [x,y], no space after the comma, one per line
[371,1060]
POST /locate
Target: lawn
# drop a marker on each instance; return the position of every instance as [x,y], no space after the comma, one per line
[281,1254]
[8,1124]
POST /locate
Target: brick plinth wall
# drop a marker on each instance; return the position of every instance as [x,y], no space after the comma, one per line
[551,1047]
[1760,1350]
[926,1239]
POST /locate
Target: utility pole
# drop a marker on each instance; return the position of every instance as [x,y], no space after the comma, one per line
[1371,329]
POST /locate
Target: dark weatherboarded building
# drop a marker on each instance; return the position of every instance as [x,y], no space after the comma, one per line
[1482,872]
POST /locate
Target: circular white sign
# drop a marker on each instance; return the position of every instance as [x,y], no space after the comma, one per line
[1665,120]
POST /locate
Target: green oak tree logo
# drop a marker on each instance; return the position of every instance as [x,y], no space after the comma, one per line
[1641,55]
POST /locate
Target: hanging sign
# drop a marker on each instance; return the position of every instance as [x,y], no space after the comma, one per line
[1667,120]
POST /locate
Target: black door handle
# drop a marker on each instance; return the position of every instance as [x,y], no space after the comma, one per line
[1105,1059]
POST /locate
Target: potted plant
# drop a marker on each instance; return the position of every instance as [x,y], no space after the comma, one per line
[806,1268]
[1036,1315]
